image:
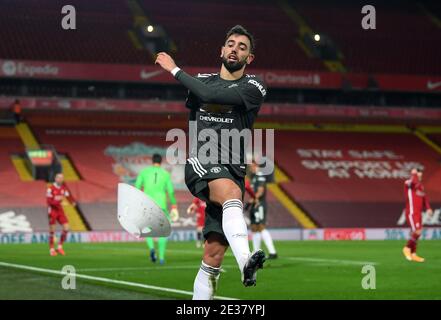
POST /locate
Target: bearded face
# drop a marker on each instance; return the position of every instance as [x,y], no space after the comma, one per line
[232,63]
[236,53]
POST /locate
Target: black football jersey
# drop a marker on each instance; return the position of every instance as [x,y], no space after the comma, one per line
[228,122]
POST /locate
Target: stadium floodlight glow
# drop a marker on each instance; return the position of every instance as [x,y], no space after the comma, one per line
[139,215]
[317,37]
[150,28]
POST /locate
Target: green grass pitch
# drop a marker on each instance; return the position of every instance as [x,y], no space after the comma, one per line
[305,270]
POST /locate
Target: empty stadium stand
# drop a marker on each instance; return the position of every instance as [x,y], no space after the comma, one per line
[436,138]
[371,196]
[31,30]
[199,42]
[405,39]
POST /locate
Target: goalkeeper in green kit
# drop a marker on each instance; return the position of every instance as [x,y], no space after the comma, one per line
[156,183]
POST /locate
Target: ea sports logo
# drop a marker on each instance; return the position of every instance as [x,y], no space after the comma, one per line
[215,170]
[9,68]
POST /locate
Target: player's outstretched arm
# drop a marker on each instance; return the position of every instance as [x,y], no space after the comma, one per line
[200,89]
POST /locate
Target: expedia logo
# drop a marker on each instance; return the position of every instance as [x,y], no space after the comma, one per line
[12,68]
[9,68]
[216,119]
[215,170]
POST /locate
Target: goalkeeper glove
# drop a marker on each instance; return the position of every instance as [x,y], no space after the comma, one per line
[174,213]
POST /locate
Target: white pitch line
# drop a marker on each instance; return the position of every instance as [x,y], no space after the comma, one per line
[138,268]
[335,261]
[106,280]
[159,268]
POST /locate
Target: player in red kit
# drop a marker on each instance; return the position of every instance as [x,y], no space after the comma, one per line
[198,206]
[416,203]
[55,195]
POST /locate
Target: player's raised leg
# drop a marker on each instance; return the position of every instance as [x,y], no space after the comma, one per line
[226,192]
[207,278]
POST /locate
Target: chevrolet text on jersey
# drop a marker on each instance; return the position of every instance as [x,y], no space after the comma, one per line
[216,119]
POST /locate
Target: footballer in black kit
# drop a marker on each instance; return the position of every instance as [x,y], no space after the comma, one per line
[223,107]
[237,106]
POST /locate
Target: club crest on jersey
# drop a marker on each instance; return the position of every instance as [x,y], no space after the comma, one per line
[215,170]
